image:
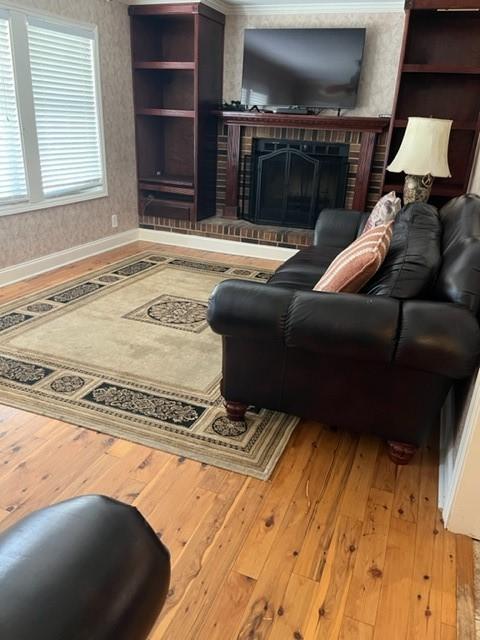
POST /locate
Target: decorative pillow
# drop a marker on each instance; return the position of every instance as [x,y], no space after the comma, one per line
[384,211]
[359,262]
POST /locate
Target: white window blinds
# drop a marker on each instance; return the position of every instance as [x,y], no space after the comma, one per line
[66,112]
[13,186]
[51,128]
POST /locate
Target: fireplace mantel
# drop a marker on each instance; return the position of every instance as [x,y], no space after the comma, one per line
[235,120]
[343,123]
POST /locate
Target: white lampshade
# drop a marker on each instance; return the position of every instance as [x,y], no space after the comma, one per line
[424,148]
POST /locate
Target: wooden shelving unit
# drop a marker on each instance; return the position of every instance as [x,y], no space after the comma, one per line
[177,60]
[439,76]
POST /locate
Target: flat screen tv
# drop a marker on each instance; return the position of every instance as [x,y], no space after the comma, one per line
[309,68]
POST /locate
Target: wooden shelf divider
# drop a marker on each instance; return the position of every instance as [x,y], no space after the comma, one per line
[458,125]
[179,181]
[180,185]
[165,65]
[440,68]
[438,189]
[166,113]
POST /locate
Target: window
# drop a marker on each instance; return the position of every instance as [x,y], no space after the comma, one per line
[13,186]
[51,136]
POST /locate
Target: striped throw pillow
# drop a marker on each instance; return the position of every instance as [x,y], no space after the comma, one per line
[359,262]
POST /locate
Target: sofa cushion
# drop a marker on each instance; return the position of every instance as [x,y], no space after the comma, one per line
[335,230]
[459,277]
[304,269]
[352,268]
[414,258]
[339,227]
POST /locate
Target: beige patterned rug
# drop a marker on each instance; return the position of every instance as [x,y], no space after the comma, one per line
[127,351]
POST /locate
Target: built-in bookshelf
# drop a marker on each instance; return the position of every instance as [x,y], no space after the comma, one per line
[439,76]
[177,60]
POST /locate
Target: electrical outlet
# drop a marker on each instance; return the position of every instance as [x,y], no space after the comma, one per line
[114,221]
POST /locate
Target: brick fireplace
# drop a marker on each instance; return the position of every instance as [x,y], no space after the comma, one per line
[365,138]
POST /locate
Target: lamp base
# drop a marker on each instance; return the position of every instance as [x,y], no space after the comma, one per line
[417,188]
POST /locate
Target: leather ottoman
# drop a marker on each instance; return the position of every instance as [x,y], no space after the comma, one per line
[90,568]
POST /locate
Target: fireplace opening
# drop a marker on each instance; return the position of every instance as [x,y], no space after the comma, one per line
[292,181]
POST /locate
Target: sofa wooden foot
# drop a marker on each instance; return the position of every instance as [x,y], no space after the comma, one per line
[236,411]
[400,452]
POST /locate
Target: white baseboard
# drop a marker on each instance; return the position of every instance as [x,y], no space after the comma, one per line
[17,272]
[218,245]
[35,267]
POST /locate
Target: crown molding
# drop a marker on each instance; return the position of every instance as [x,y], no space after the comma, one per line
[219,5]
[310,6]
[316,7]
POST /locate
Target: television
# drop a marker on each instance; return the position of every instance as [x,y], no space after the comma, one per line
[307,68]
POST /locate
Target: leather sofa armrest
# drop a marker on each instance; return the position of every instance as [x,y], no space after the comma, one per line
[438,337]
[342,325]
[338,227]
[249,309]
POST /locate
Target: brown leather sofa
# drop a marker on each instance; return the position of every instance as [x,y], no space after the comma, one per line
[381,361]
[90,568]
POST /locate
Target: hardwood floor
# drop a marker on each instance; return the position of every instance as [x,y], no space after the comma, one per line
[339,544]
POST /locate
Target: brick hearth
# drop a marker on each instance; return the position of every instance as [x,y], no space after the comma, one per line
[228,229]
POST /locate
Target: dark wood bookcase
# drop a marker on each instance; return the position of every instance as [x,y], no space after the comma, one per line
[439,76]
[177,59]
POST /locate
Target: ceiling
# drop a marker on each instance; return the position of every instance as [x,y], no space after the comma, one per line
[292,6]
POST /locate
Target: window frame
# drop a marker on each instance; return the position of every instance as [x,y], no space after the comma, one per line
[35,199]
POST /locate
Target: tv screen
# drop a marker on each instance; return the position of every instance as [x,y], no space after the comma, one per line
[316,68]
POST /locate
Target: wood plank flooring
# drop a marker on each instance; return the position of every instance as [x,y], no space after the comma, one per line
[338,544]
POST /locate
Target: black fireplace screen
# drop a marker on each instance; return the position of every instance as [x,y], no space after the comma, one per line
[292,181]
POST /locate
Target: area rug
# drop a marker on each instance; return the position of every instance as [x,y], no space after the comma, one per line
[127,351]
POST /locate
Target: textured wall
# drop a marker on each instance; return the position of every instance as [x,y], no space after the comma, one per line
[30,235]
[382,52]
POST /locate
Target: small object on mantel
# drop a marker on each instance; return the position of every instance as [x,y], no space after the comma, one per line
[320,121]
[423,155]
[234,105]
[293,110]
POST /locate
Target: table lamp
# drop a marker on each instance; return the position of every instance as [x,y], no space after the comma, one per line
[423,156]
